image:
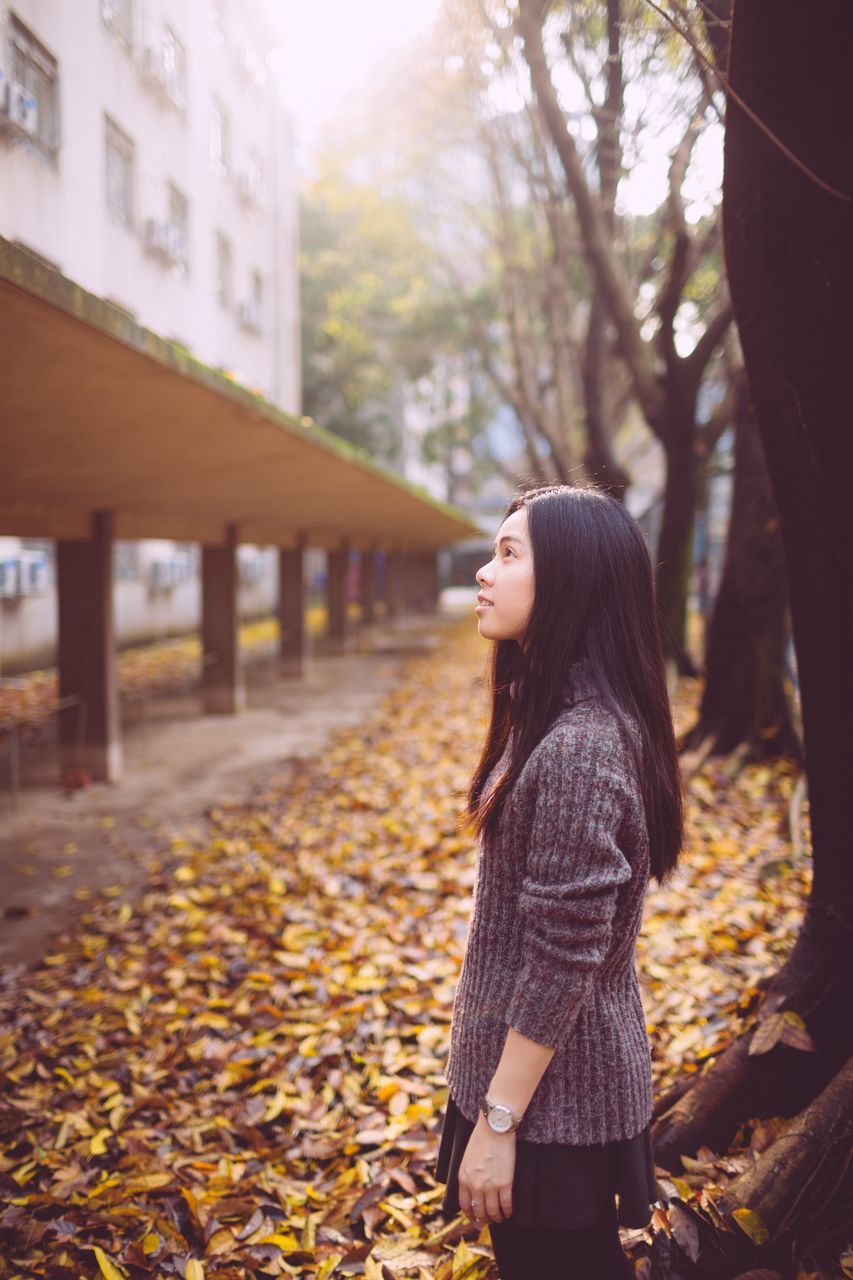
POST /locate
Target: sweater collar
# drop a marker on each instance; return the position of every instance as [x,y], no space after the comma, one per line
[580,683]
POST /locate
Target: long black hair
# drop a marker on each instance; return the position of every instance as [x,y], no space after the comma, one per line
[593,598]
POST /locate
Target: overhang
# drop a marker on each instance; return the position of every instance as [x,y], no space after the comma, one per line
[98,413]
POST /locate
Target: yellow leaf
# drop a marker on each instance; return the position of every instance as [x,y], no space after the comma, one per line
[753,1225]
[283,1242]
[151,1243]
[462,1257]
[215,1020]
[108,1268]
[328,1265]
[98,1144]
[194,1270]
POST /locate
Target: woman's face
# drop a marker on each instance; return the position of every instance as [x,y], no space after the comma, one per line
[507,583]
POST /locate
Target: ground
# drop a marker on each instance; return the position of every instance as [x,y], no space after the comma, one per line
[233,1062]
[59,847]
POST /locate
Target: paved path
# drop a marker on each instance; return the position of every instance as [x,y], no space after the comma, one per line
[60,848]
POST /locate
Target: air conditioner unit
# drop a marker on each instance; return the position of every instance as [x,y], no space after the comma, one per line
[249,315]
[168,572]
[175,242]
[9,577]
[32,573]
[22,108]
[154,238]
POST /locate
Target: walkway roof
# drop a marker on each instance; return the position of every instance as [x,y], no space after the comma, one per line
[97,412]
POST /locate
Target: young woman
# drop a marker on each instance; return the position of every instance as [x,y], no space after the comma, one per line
[576,801]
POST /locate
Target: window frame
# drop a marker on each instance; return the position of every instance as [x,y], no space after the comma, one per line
[32,65]
[117,141]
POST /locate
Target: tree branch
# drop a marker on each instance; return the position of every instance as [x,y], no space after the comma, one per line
[596,239]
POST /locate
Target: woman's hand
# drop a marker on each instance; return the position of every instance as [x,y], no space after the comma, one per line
[485,1175]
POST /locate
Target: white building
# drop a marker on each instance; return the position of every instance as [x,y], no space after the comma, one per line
[145,154]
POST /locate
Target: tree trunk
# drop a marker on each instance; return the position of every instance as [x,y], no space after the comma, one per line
[599,460]
[744,698]
[788,243]
[675,543]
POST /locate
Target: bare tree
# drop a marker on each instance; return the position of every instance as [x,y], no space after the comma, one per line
[666,385]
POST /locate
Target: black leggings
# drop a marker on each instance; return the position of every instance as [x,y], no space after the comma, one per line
[560,1253]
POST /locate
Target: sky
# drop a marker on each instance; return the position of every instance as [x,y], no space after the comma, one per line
[327,50]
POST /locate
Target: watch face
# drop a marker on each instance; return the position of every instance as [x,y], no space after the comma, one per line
[500,1120]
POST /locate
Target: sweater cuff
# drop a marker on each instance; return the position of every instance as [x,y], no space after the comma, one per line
[550,1019]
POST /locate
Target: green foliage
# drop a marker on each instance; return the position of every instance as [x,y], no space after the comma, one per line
[367,306]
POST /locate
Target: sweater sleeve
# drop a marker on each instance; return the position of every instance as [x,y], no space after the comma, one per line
[573,870]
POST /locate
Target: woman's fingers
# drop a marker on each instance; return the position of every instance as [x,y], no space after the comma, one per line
[493,1206]
[486,1205]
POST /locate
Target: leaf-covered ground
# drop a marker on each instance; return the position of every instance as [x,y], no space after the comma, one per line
[142,669]
[242,1075]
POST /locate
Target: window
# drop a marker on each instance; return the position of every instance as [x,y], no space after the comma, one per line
[179,221]
[34,88]
[120,164]
[117,15]
[219,139]
[174,68]
[223,270]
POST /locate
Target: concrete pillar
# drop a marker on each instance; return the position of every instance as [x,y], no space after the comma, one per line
[420,591]
[427,581]
[291,605]
[394,583]
[337,562]
[222,681]
[431,561]
[89,732]
[369,567]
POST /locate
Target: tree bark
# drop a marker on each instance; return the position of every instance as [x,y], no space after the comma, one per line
[788,246]
[744,699]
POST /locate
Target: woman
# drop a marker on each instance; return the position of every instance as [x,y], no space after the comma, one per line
[576,801]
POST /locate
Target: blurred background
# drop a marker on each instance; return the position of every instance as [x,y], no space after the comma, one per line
[353,212]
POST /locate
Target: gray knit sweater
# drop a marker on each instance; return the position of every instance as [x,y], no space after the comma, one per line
[557,906]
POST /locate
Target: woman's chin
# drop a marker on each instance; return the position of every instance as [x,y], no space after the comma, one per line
[487,628]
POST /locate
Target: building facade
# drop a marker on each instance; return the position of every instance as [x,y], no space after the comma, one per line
[144,153]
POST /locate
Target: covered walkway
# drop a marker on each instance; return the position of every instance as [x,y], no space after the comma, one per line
[109,431]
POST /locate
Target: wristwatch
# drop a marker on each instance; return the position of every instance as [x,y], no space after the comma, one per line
[499,1118]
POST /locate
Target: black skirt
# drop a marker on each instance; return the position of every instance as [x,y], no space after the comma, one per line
[558,1185]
